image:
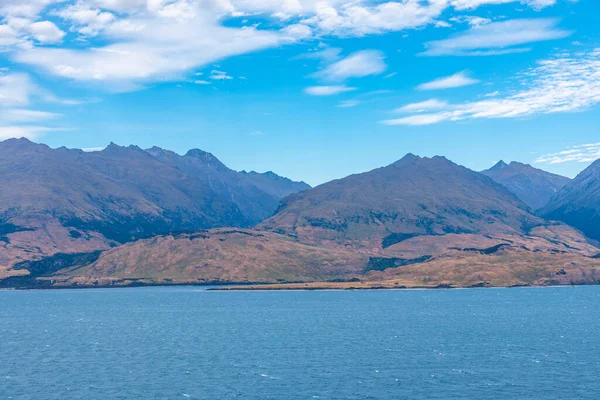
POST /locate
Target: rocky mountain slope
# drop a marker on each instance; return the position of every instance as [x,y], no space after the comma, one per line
[416,223]
[256,195]
[533,186]
[419,222]
[578,202]
[69,201]
[411,197]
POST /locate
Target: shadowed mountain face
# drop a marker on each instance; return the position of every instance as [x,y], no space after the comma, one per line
[414,196]
[256,195]
[69,201]
[578,202]
[533,186]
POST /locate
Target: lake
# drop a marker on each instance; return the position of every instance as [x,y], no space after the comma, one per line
[187,342]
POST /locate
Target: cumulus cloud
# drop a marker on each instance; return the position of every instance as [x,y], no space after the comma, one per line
[497,38]
[145,41]
[582,153]
[150,49]
[564,83]
[46,32]
[85,19]
[356,65]
[453,81]
[328,90]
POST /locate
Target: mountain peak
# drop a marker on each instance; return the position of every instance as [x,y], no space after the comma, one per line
[499,165]
[22,144]
[409,158]
[206,157]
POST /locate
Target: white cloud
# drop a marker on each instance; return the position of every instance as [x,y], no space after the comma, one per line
[25,116]
[145,41]
[472,4]
[421,119]
[471,20]
[356,19]
[328,55]
[496,37]
[46,32]
[91,149]
[427,105]
[583,153]
[357,65]
[24,8]
[328,90]
[201,82]
[348,103]
[16,89]
[459,79]
[148,50]
[564,83]
[30,132]
[219,75]
[8,37]
[86,20]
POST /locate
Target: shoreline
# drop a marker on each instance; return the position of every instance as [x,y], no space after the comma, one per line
[297,286]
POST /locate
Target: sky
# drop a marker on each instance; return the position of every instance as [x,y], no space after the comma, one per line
[311,89]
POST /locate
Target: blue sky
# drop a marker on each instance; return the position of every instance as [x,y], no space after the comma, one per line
[313,90]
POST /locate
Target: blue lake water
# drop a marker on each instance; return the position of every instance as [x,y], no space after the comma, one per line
[185,342]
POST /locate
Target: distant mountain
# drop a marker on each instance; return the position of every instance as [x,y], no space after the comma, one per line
[256,195]
[69,201]
[533,186]
[578,202]
[413,196]
[420,222]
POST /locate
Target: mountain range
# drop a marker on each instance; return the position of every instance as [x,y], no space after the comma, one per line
[127,216]
[533,186]
[578,202]
[70,201]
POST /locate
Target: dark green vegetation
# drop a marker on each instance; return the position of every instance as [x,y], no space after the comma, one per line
[45,268]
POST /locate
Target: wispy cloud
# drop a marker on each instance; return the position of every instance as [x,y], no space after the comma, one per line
[348,103]
[471,20]
[219,75]
[582,153]
[328,90]
[427,105]
[471,4]
[356,65]
[453,81]
[497,38]
[560,84]
[29,131]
